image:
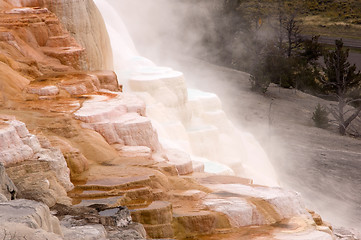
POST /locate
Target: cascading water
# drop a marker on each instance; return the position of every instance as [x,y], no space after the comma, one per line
[186,119]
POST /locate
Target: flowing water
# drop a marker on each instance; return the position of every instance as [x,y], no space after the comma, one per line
[186,119]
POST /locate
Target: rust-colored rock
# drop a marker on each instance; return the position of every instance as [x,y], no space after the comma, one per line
[33,42]
[85,23]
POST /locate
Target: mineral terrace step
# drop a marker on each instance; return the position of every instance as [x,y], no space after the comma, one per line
[93,194]
[159,194]
[136,204]
[205,178]
[191,195]
[159,231]
[190,224]
[110,201]
[158,212]
[133,193]
[116,183]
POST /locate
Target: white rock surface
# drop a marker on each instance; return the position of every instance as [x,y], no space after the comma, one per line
[181,160]
[164,84]
[17,144]
[44,91]
[212,167]
[304,235]
[12,148]
[134,151]
[57,163]
[119,120]
[232,200]
[198,124]
[240,212]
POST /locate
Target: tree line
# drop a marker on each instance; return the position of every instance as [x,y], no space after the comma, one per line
[264,38]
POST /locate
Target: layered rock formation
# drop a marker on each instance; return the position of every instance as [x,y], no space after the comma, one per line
[40,173]
[54,116]
[83,21]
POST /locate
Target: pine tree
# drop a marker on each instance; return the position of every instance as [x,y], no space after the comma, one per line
[320,116]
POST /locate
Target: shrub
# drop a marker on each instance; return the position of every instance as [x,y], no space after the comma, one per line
[320,116]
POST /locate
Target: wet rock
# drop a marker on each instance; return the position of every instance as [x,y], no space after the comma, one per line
[251,205]
[304,235]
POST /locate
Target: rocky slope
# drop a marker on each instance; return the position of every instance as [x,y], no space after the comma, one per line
[59,122]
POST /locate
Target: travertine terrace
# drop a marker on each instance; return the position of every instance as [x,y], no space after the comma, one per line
[63,117]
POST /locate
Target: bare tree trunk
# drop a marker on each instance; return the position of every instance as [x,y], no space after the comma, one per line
[341,120]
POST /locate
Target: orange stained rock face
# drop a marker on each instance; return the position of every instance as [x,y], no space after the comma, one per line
[33,42]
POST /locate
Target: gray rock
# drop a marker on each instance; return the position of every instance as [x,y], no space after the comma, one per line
[87,232]
[32,214]
[137,227]
[79,222]
[19,231]
[3,198]
[125,235]
[7,187]
[119,217]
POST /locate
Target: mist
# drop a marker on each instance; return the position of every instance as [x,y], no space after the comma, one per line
[174,33]
[163,29]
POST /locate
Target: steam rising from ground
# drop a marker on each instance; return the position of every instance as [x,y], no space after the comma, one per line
[167,32]
[190,120]
[161,27]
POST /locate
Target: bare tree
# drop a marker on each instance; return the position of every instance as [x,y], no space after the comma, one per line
[293,32]
[342,81]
